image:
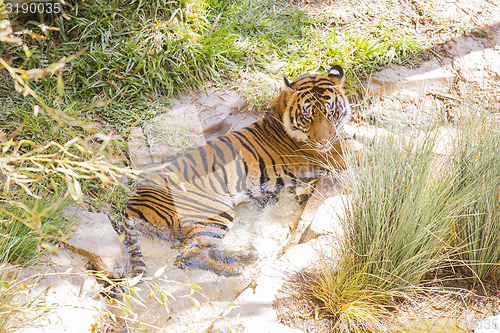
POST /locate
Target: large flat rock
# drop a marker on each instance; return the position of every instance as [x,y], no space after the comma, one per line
[191,121]
[95,238]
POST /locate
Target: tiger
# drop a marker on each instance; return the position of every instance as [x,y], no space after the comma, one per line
[193,197]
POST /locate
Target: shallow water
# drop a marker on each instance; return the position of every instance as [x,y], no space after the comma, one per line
[265,230]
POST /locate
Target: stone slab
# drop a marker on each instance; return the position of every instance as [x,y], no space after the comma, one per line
[95,238]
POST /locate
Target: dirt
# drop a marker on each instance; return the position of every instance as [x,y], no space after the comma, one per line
[456,305]
[461,56]
[457,68]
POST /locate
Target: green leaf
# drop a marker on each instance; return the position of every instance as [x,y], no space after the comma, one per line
[60,84]
[49,247]
[195,286]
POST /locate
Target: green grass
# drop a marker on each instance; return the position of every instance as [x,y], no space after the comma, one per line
[141,52]
[112,200]
[477,162]
[24,229]
[39,178]
[412,214]
[399,220]
[42,128]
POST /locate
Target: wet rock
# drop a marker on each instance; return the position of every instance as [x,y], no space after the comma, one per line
[161,153]
[326,187]
[221,112]
[328,218]
[95,238]
[173,133]
[488,325]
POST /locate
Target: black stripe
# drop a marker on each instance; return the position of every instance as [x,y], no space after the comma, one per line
[203,155]
[241,137]
[264,178]
[154,192]
[278,134]
[199,201]
[193,165]
[259,141]
[185,169]
[241,166]
[161,207]
[142,217]
[218,166]
[226,216]
[216,224]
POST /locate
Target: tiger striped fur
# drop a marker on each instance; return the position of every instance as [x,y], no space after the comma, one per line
[193,197]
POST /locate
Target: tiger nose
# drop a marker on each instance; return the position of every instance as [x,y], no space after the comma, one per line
[323,141]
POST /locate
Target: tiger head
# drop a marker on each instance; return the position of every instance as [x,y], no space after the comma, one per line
[313,109]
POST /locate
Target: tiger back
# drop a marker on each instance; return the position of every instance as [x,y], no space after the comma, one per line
[193,197]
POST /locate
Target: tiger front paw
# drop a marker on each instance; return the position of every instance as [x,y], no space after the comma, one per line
[223,263]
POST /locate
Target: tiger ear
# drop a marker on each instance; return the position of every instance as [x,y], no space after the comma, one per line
[337,73]
[288,83]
